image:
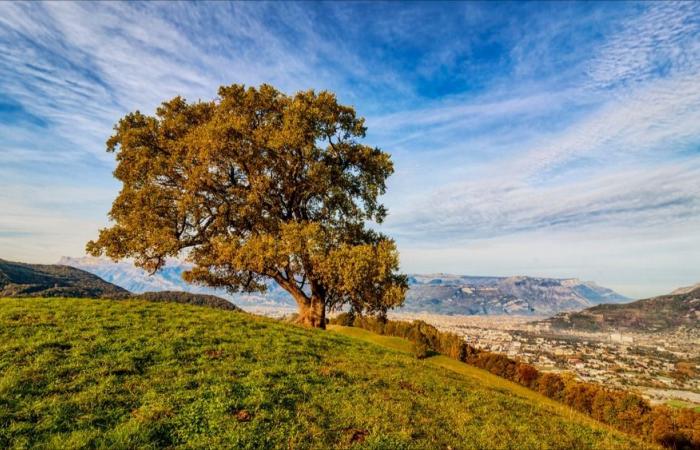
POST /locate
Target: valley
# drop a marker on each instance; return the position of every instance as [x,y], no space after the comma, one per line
[660,366]
[498,314]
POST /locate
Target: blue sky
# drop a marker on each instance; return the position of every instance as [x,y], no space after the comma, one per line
[551,139]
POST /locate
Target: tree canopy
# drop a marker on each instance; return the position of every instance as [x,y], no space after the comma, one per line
[257,185]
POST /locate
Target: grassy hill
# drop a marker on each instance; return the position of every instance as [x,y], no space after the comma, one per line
[27,280]
[188,298]
[56,280]
[80,373]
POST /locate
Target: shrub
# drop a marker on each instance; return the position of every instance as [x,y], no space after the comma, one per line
[580,396]
[527,375]
[550,385]
[421,347]
[344,319]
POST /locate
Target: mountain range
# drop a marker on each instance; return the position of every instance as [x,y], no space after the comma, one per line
[433,293]
[573,304]
[169,278]
[522,295]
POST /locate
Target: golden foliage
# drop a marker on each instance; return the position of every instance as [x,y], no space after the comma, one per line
[256,185]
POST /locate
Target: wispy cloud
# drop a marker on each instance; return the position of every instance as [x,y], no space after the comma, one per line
[661,41]
[487,208]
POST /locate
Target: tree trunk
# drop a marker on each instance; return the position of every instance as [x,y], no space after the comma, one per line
[313,313]
[312,310]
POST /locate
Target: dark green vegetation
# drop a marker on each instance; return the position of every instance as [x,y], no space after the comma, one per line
[188,298]
[663,313]
[78,373]
[31,280]
[624,410]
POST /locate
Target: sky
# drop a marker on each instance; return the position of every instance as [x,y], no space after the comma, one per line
[545,139]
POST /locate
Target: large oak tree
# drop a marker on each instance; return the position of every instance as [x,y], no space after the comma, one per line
[253,186]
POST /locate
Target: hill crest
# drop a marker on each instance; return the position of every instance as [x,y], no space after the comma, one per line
[31,280]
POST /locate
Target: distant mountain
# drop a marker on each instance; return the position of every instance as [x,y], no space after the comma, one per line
[663,313]
[455,294]
[34,280]
[169,278]
[438,293]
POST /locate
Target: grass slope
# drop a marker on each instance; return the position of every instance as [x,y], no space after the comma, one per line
[79,373]
[483,376]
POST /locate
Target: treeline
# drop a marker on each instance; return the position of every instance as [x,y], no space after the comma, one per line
[672,428]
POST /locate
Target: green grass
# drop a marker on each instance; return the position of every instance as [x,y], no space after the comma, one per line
[682,404]
[78,373]
[483,376]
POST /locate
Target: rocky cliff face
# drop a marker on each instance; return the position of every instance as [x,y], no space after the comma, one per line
[450,294]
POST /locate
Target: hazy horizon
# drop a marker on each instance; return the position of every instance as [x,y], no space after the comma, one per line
[542,139]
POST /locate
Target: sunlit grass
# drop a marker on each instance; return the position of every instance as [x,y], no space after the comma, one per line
[682,404]
[482,376]
[78,373]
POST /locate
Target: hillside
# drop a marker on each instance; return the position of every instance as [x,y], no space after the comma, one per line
[436,293]
[31,280]
[81,373]
[663,313]
[23,280]
[686,289]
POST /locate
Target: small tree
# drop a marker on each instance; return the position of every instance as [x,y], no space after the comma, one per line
[257,185]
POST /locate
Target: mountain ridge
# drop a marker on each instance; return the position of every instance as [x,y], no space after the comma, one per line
[438,293]
[656,314]
[686,289]
[522,295]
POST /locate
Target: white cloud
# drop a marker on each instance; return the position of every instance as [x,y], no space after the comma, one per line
[639,198]
[662,40]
